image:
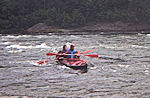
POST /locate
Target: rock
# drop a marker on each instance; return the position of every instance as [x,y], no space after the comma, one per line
[43,28]
[40,27]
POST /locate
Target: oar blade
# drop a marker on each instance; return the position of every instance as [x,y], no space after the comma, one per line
[40,62]
[86,52]
[92,55]
[46,61]
[51,54]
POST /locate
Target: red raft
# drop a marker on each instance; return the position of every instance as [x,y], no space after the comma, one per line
[74,63]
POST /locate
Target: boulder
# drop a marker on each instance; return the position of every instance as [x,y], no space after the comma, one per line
[40,28]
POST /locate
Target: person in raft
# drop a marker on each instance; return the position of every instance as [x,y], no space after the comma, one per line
[72,51]
[63,51]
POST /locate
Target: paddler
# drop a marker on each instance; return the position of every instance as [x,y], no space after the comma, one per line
[72,51]
[63,51]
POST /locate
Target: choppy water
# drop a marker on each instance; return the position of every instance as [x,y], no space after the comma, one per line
[123,69]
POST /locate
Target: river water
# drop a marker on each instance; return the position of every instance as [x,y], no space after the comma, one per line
[122,69]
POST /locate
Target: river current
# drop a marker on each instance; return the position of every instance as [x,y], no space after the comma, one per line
[122,69]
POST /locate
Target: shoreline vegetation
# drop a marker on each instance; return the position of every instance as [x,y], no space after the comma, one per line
[42,16]
[100,28]
[116,27]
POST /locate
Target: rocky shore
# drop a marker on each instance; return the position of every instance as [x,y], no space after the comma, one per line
[119,27]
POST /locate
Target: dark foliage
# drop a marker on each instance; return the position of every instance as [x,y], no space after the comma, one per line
[22,14]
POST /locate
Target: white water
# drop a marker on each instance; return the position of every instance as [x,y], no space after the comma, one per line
[123,69]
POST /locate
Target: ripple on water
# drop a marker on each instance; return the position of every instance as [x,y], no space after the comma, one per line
[121,71]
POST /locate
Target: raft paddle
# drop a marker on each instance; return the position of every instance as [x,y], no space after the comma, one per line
[86,52]
[52,54]
[89,55]
[92,55]
[41,62]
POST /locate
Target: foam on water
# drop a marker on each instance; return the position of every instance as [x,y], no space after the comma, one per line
[16,37]
[6,43]
[15,51]
[63,67]
[125,66]
[16,46]
[147,72]
[116,46]
[41,36]
[137,46]
[148,34]
[43,45]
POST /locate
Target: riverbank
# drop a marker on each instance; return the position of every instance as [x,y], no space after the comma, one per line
[102,28]
[118,27]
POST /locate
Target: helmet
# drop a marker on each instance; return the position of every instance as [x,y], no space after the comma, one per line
[67,44]
[72,45]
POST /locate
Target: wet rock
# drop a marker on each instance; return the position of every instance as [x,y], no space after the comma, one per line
[40,27]
[43,28]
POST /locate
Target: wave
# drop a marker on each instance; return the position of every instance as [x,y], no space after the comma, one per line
[148,34]
[18,36]
[43,45]
[122,47]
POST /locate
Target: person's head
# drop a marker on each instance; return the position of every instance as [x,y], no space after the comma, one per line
[72,47]
[64,47]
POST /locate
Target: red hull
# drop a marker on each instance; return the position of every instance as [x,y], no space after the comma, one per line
[74,63]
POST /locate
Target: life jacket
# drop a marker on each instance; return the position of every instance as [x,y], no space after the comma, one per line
[60,52]
[72,52]
[64,51]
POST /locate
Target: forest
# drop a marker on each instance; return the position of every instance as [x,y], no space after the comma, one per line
[22,14]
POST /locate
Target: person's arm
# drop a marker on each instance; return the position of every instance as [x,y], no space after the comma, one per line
[58,56]
[77,56]
[67,52]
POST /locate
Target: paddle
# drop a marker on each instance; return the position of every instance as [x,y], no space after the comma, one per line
[92,55]
[86,52]
[89,55]
[41,62]
[52,54]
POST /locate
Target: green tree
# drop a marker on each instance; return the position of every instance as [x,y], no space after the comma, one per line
[22,14]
